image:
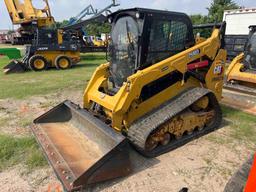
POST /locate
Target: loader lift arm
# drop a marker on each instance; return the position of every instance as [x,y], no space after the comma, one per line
[11,53]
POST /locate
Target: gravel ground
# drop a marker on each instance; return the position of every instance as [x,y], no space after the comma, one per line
[205,164]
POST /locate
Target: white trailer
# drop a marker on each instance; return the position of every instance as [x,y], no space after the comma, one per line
[238,22]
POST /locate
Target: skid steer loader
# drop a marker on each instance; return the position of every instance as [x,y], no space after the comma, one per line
[241,73]
[50,48]
[160,89]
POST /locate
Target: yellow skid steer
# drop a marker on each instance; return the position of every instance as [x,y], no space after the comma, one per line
[160,89]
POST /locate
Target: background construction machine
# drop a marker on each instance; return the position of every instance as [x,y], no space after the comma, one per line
[238,21]
[59,48]
[11,53]
[241,73]
[29,18]
[90,43]
[160,89]
[50,48]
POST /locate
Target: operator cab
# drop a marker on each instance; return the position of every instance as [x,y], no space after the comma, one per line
[143,37]
[250,50]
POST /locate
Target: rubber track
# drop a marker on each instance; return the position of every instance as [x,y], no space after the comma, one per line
[139,131]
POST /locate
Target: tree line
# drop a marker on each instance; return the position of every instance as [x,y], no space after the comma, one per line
[215,15]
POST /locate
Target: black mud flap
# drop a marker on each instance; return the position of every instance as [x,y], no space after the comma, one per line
[81,148]
[14,66]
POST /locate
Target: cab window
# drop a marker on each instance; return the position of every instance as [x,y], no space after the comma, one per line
[166,38]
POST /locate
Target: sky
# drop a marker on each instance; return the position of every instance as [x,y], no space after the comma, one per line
[64,9]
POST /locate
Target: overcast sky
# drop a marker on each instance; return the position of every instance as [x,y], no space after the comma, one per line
[64,9]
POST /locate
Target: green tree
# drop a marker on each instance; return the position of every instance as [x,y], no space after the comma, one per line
[201,19]
[62,23]
[97,28]
[217,8]
[10,32]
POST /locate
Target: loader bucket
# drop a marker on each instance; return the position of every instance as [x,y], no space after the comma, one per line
[81,148]
[14,66]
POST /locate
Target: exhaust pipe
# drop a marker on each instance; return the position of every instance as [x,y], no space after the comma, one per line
[81,148]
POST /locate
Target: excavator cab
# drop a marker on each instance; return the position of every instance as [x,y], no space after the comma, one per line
[25,14]
[241,73]
[250,50]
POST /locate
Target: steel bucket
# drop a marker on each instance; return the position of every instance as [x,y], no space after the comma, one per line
[81,148]
[14,66]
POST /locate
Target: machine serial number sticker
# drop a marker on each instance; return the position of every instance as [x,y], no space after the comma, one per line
[218,70]
[194,53]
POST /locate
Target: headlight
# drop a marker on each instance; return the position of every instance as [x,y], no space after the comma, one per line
[137,15]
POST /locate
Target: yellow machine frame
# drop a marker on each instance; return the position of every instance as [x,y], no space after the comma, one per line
[22,13]
[234,71]
[125,107]
[156,106]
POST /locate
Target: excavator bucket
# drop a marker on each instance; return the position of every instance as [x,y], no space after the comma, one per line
[14,66]
[81,148]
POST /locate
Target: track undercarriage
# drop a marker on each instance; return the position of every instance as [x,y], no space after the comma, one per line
[176,123]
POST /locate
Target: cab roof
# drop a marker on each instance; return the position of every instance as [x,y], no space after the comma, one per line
[151,12]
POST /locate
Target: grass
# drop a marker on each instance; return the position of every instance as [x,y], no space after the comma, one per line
[3,120]
[23,150]
[237,115]
[242,127]
[21,86]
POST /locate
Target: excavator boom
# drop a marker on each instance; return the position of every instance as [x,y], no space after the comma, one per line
[25,12]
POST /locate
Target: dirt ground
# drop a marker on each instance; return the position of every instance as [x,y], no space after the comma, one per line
[205,164]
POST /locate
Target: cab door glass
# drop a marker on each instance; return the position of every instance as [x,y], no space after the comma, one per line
[166,38]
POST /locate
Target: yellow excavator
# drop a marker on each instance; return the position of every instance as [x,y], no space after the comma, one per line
[241,73]
[29,18]
[160,89]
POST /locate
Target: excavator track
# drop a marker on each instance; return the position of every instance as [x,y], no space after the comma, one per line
[140,131]
[240,88]
[239,100]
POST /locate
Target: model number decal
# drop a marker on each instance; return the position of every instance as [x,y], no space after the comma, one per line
[164,68]
[194,53]
[218,70]
[42,48]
